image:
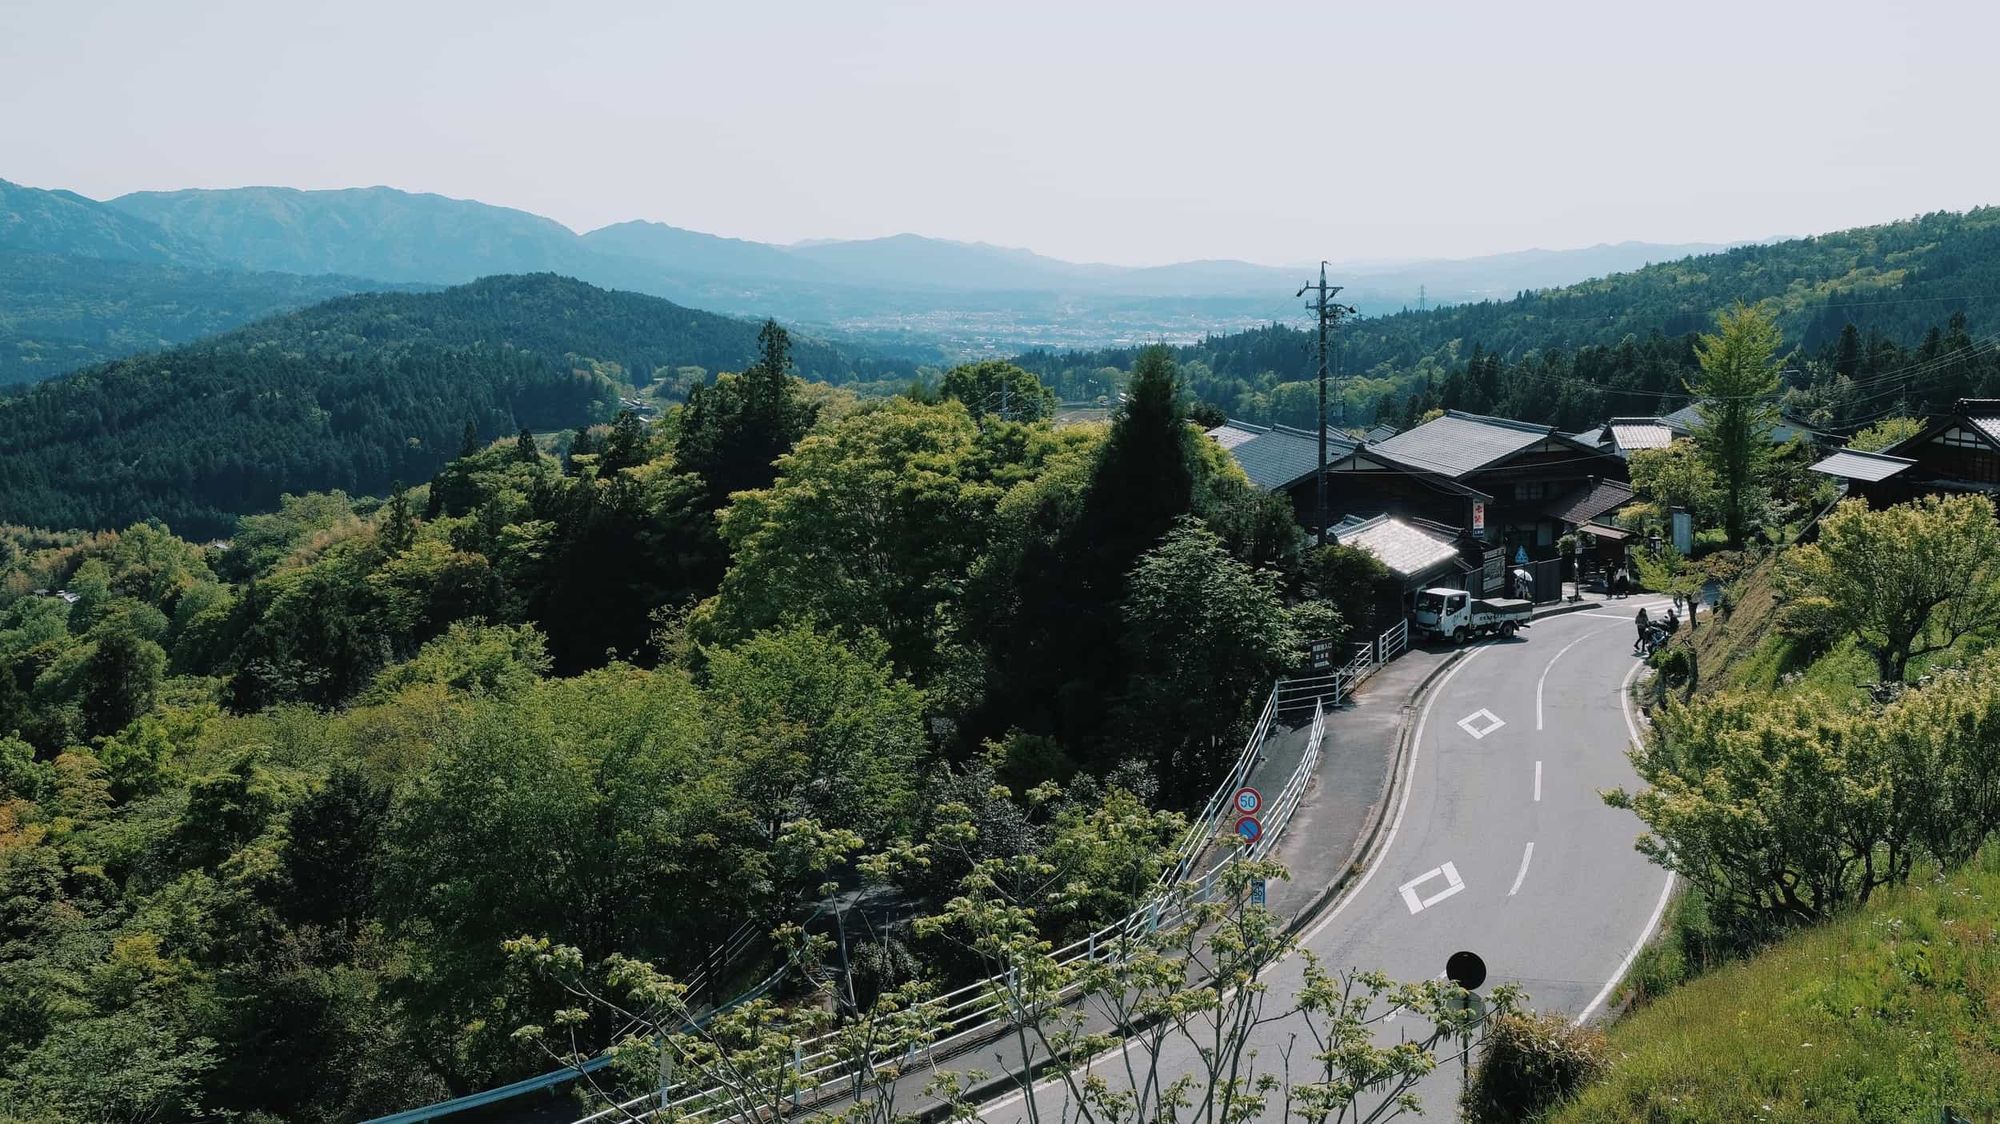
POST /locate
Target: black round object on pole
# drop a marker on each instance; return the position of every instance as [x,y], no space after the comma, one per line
[1466,970]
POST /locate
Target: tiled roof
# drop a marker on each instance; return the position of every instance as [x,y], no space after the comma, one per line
[1981,412]
[1853,464]
[1683,420]
[1406,550]
[1233,433]
[1590,501]
[1381,433]
[1281,455]
[1456,443]
[1634,434]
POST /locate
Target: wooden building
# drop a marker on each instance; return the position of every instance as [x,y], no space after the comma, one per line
[1959,452]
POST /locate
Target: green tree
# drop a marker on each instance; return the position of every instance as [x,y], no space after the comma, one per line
[998,388]
[1906,581]
[1772,806]
[1736,392]
[1367,594]
[525,449]
[813,728]
[733,431]
[1677,476]
[876,525]
[593,808]
[1885,433]
[1204,636]
[399,523]
[119,678]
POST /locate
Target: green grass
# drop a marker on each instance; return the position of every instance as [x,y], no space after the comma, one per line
[1742,650]
[1886,1014]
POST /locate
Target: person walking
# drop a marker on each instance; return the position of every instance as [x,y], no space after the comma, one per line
[1639,645]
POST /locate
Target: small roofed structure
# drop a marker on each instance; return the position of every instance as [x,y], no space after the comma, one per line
[1630,434]
[1855,464]
[1413,551]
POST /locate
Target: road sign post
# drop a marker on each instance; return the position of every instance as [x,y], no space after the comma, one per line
[1468,971]
[1248,801]
[1249,829]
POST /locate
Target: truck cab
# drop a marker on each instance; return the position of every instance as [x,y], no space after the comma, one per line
[1454,614]
[1440,609]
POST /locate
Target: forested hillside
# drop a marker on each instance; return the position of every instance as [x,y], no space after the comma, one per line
[368,231]
[82,282]
[60,313]
[269,812]
[352,394]
[1922,298]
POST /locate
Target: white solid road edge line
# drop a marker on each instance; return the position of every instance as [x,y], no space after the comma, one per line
[1538,782]
[1522,874]
[1001,1104]
[1666,891]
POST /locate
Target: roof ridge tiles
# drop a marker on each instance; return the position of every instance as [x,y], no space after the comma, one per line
[1510,423]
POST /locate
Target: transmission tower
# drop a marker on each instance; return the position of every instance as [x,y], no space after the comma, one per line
[1329,314]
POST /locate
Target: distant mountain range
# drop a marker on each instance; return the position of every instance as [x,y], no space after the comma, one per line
[399,236]
[185,260]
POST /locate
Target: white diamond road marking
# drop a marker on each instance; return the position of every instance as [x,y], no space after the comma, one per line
[1488,720]
[1453,884]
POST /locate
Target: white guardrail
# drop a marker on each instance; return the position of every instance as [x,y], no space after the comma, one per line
[977,1010]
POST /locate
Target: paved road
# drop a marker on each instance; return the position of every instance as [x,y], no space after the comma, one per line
[1499,842]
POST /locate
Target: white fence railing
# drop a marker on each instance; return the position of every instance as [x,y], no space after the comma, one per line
[980,1010]
[1330,689]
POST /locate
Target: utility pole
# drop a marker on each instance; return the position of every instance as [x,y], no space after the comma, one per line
[1329,315]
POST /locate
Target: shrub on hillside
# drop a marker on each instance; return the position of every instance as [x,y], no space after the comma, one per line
[1533,1062]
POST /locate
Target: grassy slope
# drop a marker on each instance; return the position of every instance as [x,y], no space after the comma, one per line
[1882,1016]
[1895,1000]
[1742,650]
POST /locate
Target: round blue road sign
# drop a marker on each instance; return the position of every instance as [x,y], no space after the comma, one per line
[1249,828]
[1248,800]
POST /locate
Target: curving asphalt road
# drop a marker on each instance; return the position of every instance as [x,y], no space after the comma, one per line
[1498,841]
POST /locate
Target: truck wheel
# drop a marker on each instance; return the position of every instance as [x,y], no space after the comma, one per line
[1506,629]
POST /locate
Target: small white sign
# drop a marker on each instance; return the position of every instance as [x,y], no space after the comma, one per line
[1453,884]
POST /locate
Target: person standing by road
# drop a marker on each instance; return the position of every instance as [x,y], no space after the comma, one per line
[1693,602]
[1639,645]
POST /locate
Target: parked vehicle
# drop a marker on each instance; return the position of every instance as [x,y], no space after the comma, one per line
[1454,614]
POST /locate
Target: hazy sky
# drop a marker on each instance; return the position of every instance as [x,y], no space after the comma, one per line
[1133,132]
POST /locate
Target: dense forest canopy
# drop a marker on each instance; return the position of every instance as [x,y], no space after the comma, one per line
[270,808]
[352,394]
[1921,297]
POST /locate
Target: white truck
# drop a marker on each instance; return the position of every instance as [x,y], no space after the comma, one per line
[1454,614]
